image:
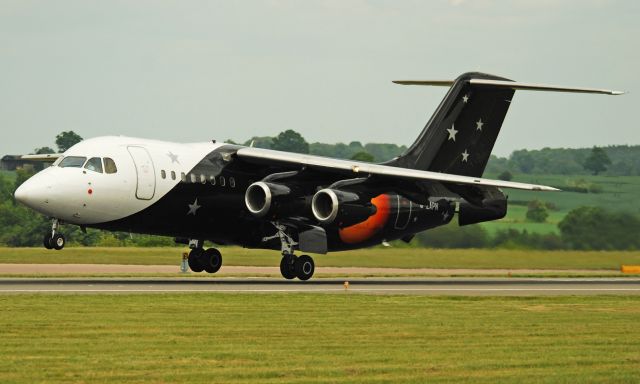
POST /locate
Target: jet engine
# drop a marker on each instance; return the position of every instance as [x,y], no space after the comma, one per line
[491,209]
[262,198]
[344,208]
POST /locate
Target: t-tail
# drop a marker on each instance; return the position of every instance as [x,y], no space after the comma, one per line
[459,137]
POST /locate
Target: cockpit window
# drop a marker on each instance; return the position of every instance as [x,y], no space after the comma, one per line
[110,165]
[94,164]
[72,162]
[58,160]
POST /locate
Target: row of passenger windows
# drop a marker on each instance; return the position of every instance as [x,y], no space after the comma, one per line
[94,164]
[202,179]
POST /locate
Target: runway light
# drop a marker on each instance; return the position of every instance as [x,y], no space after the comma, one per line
[346,285]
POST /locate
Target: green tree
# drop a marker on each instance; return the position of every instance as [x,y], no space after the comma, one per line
[454,236]
[598,161]
[290,141]
[43,150]
[66,140]
[363,156]
[537,211]
[505,175]
[597,228]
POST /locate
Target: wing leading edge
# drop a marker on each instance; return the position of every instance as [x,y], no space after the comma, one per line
[358,168]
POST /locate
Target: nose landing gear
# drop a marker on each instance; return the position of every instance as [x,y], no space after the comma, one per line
[54,240]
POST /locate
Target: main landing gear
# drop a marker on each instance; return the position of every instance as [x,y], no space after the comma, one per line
[54,240]
[292,266]
[208,260]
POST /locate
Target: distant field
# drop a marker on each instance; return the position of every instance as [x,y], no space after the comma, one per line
[619,193]
[376,257]
[296,338]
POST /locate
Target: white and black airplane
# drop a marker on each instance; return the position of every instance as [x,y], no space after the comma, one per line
[259,198]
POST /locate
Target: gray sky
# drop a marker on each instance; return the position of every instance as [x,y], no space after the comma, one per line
[199,70]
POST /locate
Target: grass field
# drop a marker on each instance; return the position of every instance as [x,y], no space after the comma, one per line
[291,338]
[375,257]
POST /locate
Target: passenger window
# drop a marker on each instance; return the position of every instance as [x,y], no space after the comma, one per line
[94,164]
[203,179]
[183,177]
[212,180]
[72,162]
[163,174]
[173,175]
[232,182]
[193,178]
[222,182]
[110,165]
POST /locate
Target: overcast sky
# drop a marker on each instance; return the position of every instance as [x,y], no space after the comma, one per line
[200,70]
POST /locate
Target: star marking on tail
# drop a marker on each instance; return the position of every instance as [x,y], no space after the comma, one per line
[452,133]
[465,98]
[193,208]
[465,156]
[479,125]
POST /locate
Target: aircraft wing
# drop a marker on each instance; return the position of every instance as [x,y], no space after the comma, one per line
[360,169]
[46,157]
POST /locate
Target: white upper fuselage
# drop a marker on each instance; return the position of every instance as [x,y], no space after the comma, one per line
[79,195]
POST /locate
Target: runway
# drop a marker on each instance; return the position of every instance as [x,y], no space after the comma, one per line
[407,286]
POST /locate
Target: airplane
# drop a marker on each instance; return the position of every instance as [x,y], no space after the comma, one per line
[257,198]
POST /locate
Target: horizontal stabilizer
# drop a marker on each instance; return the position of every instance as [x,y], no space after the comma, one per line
[46,157]
[510,85]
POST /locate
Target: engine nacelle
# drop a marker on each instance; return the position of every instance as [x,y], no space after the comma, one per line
[344,208]
[491,209]
[262,197]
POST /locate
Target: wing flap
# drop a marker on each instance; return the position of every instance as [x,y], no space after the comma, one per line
[357,168]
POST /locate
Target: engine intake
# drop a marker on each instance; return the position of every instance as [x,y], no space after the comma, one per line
[261,197]
[345,208]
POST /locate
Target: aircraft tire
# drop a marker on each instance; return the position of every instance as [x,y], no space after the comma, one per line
[58,241]
[211,260]
[194,260]
[47,241]
[287,268]
[304,267]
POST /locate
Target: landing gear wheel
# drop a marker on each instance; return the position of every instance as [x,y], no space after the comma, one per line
[211,260]
[47,241]
[304,267]
[58,241]
[194,260]
[287,266]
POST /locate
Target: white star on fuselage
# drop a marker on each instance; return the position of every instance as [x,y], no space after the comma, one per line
[173,157]
[479,125]
[193,208]
[452,133]
[465,99]
[465,156]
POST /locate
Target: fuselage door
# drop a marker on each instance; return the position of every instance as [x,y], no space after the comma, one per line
[146,186]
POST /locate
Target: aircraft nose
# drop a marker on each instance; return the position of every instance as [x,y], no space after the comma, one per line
[32,193]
